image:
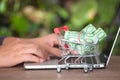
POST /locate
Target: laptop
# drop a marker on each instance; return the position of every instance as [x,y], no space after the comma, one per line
[102,60]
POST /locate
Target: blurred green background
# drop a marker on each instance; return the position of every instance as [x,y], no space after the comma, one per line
[35,18]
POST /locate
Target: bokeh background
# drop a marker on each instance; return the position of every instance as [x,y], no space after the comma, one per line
[36,18]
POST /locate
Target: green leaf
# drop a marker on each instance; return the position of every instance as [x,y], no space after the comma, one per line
[106,10]
[62,12]
[19,24]
[83,12]
[5,31]
[3,6]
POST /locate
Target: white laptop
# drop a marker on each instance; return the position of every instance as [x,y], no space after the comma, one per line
[53,63]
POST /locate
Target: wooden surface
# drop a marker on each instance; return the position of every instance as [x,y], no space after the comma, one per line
[112,72]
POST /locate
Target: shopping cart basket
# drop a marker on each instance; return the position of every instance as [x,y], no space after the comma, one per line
[72,57]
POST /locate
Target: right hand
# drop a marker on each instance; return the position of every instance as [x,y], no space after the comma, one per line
[16,51]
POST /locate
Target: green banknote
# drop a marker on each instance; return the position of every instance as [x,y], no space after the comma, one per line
[100,34]
[88,35]
[81,48]
[71,35]
[80,37]
[89,29]
[84,36]
[89,38]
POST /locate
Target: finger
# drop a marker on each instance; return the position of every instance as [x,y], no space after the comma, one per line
[44,54]
[29,48]
[29,58]
[48,58]
[55,51]
[34,51]
[53,39]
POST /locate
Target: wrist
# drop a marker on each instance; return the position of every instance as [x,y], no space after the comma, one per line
[10,39]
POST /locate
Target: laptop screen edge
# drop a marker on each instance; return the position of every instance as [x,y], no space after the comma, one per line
[113,46]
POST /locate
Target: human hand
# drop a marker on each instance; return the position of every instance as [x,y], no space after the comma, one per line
[48,43]
[15,51]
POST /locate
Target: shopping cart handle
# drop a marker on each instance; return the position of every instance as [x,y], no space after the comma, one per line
[57,30]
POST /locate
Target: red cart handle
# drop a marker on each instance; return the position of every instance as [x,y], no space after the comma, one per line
[57,30]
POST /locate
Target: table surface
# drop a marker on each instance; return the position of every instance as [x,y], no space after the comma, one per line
[112,72]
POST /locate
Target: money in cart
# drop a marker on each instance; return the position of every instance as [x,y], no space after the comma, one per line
[79,49]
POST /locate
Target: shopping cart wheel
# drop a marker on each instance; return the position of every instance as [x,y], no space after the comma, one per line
[91,67]
[58,69]
[86,68]
[67,66]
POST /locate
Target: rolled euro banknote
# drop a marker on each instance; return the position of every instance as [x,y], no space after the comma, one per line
[78,48]
[88,38]
[89,29]
[74,36]
[71,35]
[81,48]
[82,38]
[85,37]
[100,34]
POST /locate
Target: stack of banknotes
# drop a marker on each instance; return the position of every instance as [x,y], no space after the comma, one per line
[85,40]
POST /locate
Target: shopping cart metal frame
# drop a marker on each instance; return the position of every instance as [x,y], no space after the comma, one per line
[67,60]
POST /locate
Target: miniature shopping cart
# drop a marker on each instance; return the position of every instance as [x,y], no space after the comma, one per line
[72,58]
